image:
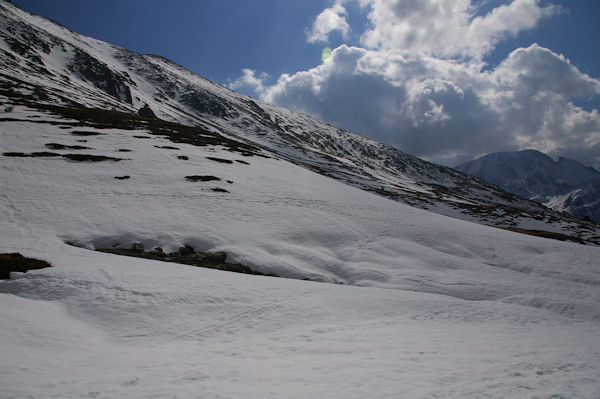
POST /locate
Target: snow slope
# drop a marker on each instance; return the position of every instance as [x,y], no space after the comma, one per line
[430,306]
[94,327]
[63,67]
[403,302]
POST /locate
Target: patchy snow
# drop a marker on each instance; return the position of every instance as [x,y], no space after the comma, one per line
[430,306]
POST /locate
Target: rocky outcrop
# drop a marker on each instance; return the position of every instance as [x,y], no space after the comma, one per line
[15,262]
[146,112]
[186,255]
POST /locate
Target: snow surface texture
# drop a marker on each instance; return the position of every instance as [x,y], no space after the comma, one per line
[431,306]
[563,185]
[64,67]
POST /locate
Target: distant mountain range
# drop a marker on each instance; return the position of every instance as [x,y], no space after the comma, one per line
[593,163]
[563,185]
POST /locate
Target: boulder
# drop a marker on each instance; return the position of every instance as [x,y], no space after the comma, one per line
[158,251]
[186,250]
[146,111]
[137,247]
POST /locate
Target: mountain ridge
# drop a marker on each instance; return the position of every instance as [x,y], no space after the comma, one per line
[563,184]
[73,70]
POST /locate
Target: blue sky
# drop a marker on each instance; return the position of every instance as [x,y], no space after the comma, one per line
[215,38]
[446,80]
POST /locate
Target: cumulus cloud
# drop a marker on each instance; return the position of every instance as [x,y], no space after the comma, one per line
[329,20]
[419,82]
[448,111]
[249,79]
[447,28]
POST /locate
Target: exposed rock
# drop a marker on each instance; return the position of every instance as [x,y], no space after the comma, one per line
[186,250]
[100,75]
[146,111]
[202,178]
[218,257]
[57,146]
[84,133]
[15,262]
[90,158]
[158,251]
[207,103]
[188,256]
[221,160]
[138,247]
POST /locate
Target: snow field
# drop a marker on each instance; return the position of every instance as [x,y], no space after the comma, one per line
[139,328]
[282,219]
[430,307]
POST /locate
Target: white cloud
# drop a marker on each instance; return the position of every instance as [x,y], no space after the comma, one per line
[420,84]
[536,70]
[444,110]
[249,80]
[447,28]
[329,20]
[484,32]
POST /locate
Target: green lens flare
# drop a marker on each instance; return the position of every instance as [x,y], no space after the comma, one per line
[325,54]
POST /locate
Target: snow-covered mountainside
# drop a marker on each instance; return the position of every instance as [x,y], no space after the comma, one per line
[379,299]
[57,66]
[563,185]
[415,303]
[593,163]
